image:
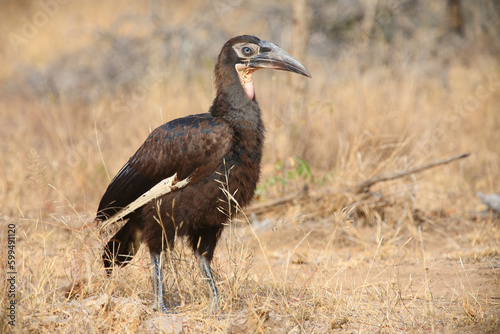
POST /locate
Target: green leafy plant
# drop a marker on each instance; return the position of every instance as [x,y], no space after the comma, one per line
[283,177]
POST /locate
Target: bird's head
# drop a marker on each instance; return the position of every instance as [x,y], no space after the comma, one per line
[247,54]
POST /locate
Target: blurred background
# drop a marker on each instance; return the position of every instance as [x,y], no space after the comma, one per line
[395,83]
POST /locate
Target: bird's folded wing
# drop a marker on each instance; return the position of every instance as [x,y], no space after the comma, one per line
[174,155]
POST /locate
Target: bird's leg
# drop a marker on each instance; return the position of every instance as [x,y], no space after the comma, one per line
[159,303]
[207,275]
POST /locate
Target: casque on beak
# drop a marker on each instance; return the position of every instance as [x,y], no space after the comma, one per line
[272,56]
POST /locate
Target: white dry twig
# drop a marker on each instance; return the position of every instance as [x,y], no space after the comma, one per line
[163,187]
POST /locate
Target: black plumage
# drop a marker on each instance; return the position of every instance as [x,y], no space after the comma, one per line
[205,148]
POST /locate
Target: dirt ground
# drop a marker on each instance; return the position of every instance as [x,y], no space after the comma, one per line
[441,277]
[435,274]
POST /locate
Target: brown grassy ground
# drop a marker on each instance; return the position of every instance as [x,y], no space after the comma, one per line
[413,256]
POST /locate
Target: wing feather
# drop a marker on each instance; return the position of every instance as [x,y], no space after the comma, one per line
[192,147]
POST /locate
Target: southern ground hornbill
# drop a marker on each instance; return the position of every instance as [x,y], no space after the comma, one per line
[171,187]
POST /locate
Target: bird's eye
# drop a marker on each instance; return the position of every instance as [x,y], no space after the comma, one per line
[247,51]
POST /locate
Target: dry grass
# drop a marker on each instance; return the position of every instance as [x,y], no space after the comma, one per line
[411,257]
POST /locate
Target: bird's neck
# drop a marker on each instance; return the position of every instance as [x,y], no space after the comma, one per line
[242,112]
[235,100]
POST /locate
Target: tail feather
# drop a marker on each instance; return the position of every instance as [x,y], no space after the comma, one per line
[122,247]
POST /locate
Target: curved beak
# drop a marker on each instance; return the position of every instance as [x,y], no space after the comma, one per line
[272,56]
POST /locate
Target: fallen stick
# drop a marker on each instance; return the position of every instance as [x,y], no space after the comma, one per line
[262,207]
[364,186]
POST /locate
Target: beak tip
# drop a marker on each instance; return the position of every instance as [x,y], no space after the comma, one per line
[302,70]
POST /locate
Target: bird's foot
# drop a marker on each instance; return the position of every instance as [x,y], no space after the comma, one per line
[214,307]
